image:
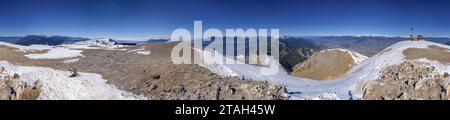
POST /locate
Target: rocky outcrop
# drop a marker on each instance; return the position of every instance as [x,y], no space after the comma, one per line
[13,89]
[410,80]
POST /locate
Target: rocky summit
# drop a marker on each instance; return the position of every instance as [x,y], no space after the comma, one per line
[13,89]
[410,80]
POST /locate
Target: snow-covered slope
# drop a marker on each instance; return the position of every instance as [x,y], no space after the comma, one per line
[105,43]
[141,51]
[57,85]
[56,53]
[298,88]
[393,55]
[390,56]
[342,88]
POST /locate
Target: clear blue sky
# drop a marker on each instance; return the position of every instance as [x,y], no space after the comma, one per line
[153,18]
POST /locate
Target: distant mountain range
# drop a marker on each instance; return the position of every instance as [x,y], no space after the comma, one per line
[57,40]
[367,45]
[41,39]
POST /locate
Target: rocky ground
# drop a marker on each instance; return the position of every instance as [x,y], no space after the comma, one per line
[411,80]
[13,89]
[154,75]
[291,56]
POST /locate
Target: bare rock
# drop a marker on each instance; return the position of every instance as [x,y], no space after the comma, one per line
[2,69]
[153,87]
[181,89]
[5,91]
[16,76]
[26,92]
[74,72]
[156,77]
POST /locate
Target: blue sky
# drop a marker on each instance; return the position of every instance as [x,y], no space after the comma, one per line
[158,18]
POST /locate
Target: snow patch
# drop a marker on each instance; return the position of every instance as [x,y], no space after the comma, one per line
[56,53]
[342,88]
[105,43]
[57,85]
[371,68]
[325,96]
[66,50]
[71,60]
[439,67]
[219,69]
[144,52]
[135,50]
[357,57]
[141,51]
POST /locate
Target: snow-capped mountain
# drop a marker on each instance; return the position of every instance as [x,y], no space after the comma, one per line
[102,42]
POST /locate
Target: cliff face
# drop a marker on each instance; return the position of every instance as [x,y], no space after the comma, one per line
[327,64]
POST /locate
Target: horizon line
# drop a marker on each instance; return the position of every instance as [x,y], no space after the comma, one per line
[154,37]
